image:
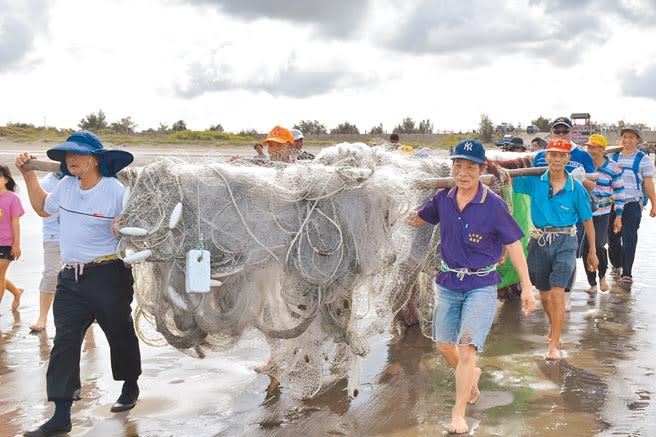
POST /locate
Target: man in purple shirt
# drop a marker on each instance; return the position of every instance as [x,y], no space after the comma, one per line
[475,229]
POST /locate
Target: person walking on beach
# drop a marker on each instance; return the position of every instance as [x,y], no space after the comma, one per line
[608,190]
[51,257]
[94,283]
[11,210]
[280,144]
[299,139]
[260,155]
[561,127]
[637,173]
[471,246]
[558,202]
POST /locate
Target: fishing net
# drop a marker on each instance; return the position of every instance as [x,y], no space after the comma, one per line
[316,255]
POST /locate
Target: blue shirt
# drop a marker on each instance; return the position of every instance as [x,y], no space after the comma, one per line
[565,208]
[578,158]
[472,238]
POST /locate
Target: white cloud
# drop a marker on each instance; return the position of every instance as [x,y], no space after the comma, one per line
[254,64]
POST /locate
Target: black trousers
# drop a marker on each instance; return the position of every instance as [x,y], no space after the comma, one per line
[102,293]
[622,246]
[601,224]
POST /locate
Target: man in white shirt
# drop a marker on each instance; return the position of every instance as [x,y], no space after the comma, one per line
[94,283]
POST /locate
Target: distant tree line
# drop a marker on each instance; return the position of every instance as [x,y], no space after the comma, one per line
[97,122]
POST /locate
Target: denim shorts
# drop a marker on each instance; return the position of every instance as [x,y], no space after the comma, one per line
[552,265]
[5,253]
[464,317]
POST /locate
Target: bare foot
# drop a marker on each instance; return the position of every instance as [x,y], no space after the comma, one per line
[475,394]
[592,289]
[38,326]
[553,354]
[603,285]
[264,367]
[17,298]
[458,425]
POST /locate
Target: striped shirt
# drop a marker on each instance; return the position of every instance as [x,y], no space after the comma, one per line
[608,190]
[632,188]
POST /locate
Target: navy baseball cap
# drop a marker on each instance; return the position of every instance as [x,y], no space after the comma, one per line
[471,150]
[562,120]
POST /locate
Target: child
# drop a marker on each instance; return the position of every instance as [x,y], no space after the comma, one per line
[10,211]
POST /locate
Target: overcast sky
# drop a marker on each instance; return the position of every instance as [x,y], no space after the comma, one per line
[257,63]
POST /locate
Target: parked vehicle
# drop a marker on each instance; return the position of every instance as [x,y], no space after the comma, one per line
[530,129]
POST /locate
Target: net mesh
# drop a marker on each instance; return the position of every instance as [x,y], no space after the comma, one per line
[316,255]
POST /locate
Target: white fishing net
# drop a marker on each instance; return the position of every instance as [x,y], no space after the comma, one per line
[316,255]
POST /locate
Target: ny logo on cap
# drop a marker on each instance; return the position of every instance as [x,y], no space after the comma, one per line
[468,146]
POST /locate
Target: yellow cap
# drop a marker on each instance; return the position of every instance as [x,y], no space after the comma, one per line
[597,140]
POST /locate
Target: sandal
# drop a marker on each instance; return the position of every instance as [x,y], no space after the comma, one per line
[627,279]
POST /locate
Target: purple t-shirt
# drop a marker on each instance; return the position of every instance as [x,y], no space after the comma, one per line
[10,207]
[473,238]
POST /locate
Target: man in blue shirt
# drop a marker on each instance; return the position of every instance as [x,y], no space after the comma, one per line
[475,229]
[561,127]
[558,202]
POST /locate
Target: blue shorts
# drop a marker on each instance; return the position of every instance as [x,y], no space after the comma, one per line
[5,253]
[464,317]
[552,265]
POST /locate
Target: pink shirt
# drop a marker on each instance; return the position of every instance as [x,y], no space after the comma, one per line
[10,207]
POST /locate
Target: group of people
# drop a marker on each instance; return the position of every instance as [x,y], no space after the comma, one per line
[80,205]
[283,145]
[570,215]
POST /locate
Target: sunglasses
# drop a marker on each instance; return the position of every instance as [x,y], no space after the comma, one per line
[561,131]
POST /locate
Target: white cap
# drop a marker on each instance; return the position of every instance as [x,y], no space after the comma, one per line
[297,134]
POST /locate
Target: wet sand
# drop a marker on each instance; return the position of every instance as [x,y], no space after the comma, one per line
[603,386]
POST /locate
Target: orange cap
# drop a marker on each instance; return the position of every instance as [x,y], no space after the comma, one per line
[279,135]
[559,145]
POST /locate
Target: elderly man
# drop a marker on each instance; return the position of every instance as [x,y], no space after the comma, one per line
[475,229]
[558,202]
[94,284]
[561,127]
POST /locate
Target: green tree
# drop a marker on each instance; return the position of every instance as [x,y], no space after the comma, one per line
[485,129]
[217,128]
[311,127]
[247,132]
[377,130]
[543,124]
[425,127]
[125,126]
[179,126]
[163,128]
[406,127]
[345,128]
[94,122]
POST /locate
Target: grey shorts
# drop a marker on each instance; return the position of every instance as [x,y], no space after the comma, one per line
[552,265]
[51,266]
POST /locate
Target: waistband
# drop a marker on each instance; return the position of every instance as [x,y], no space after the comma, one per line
[548,234]
[464,271]
[559,229]
[95,263]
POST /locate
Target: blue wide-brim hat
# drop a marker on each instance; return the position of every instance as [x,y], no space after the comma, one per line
[110,161]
